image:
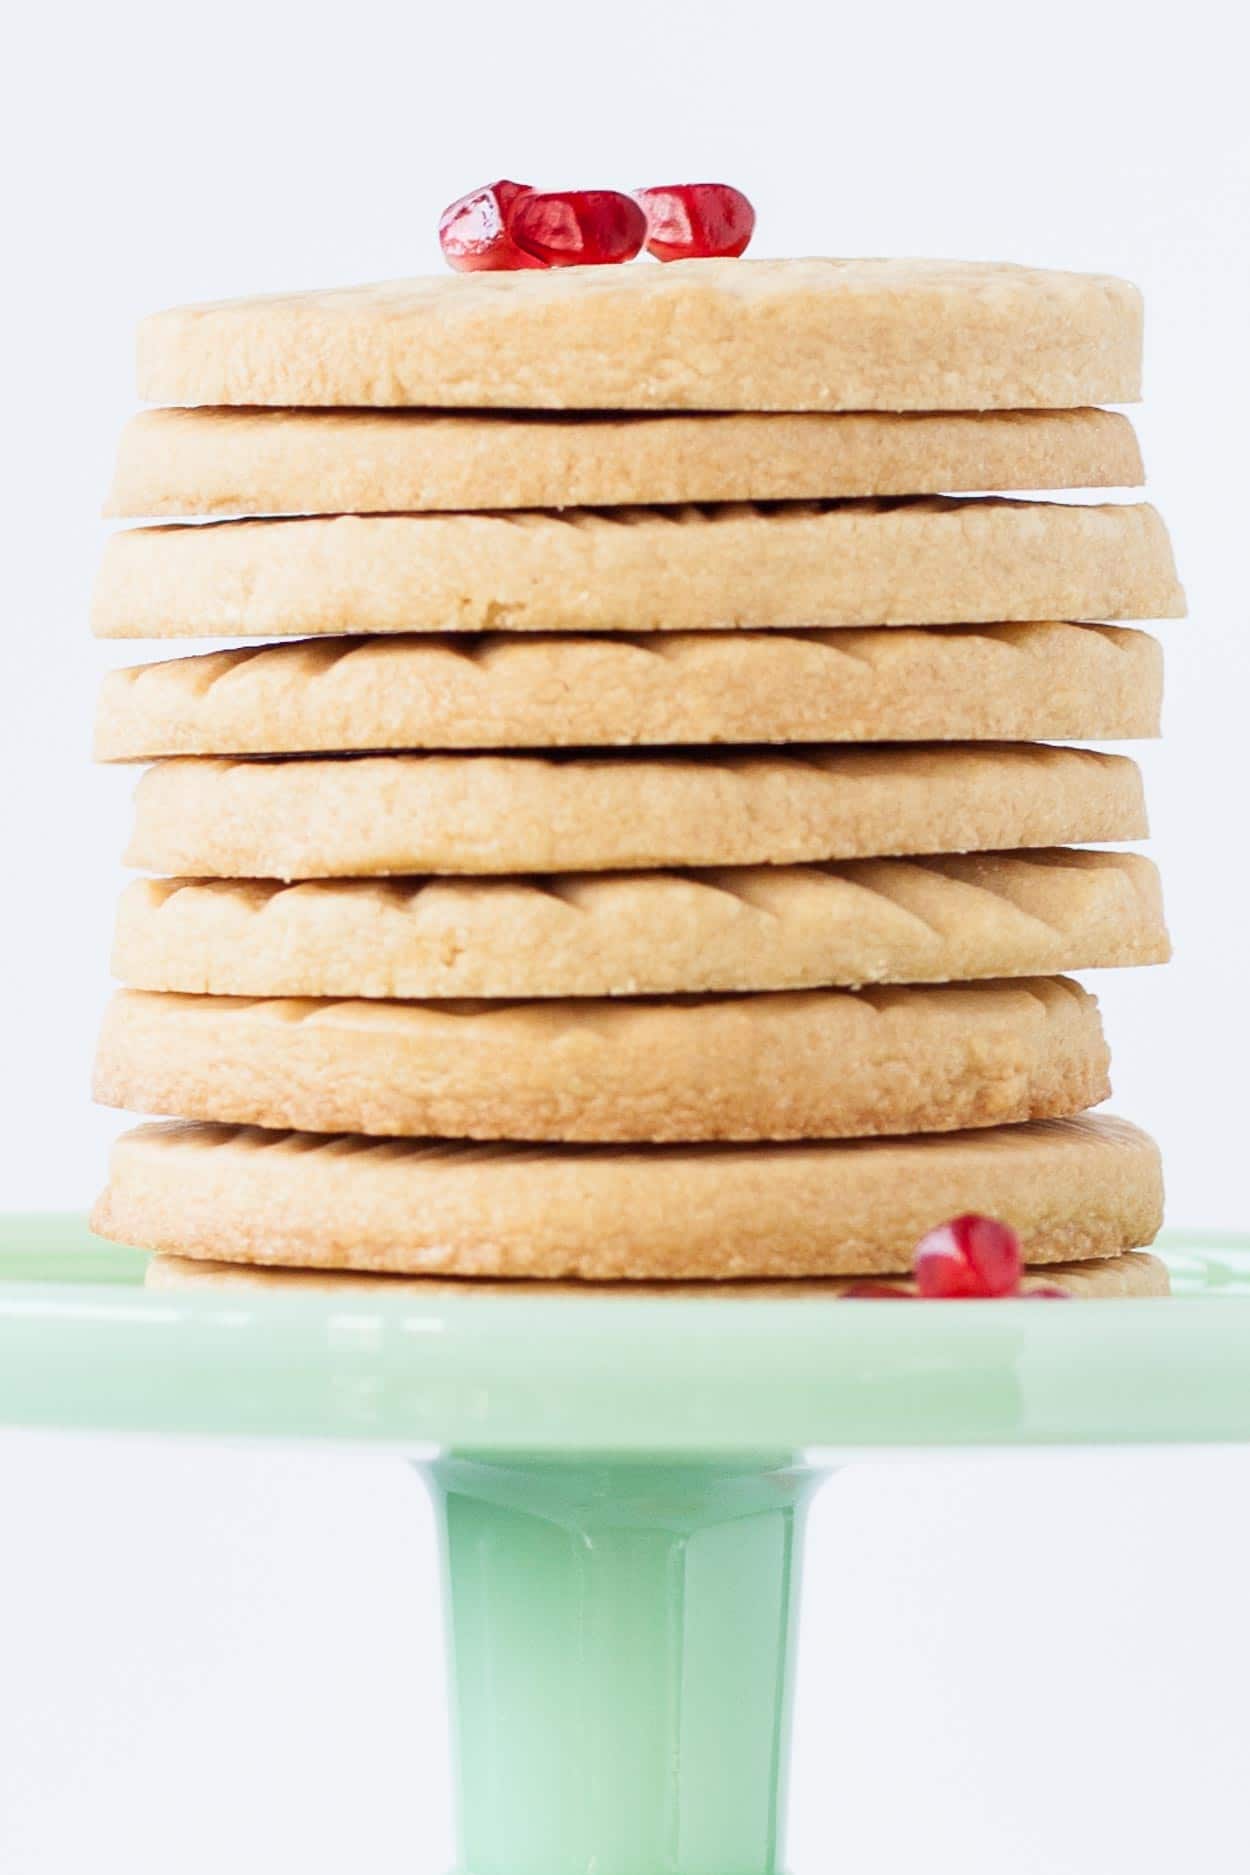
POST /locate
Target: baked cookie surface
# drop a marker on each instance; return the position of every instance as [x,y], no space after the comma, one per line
[930,561]
[305,818]
[818,334]
[813,1064]
[753,928]
[1073,1189]
[270,462]
[1046,682]
[1134,1273]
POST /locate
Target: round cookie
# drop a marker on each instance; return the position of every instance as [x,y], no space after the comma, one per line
[378,815]
[1041,682]
[261,462]
[818,334]
[754,928]
[1072,1188]
[923,562]
[1133,1274]
[812,1064]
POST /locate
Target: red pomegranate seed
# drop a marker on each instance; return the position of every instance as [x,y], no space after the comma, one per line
[695,220]
[474,232]
[969,1256]
[580,228]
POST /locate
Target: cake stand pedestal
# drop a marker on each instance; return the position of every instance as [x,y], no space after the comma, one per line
[621,1483]
[620,1640]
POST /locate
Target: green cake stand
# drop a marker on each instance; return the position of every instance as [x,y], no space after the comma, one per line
[621,1484]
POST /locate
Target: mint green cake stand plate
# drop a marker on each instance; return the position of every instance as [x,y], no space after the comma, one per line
[621,1484]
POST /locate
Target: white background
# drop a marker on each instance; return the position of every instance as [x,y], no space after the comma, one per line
[213,1659]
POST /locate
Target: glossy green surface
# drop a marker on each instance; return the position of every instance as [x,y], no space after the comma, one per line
[621,1641]
[620,1483]
[82,1344]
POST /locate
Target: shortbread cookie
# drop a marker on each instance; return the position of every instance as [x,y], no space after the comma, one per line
[692,335]
[811,1064]
[373,815]
[238,462]
[1072,1188]
[1046,682]
[1135,1273]
[754,928]
[923,562]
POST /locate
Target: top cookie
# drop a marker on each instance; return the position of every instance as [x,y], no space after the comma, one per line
[691,335]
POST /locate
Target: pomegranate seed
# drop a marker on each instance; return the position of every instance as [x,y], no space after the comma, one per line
[1046,1292]
[474,232]
[695,220]
[969,1256]
[580,228]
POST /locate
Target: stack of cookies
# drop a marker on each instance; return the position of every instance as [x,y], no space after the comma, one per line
[647,849]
